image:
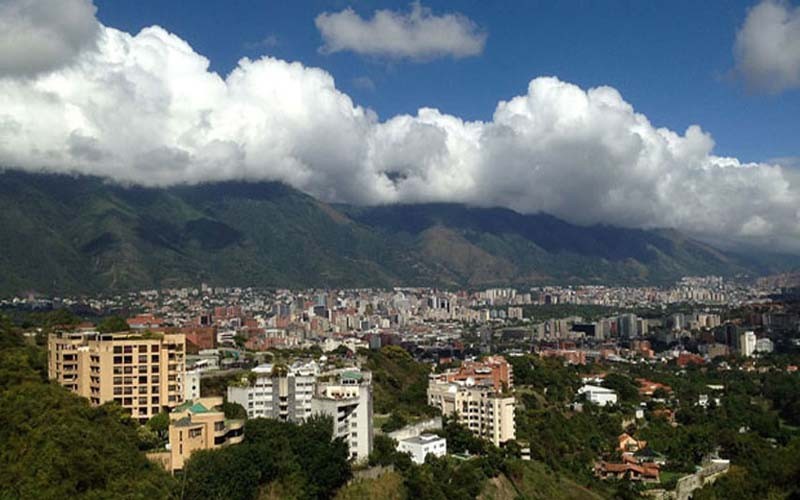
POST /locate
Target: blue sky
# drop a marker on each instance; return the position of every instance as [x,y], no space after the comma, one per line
[672,61]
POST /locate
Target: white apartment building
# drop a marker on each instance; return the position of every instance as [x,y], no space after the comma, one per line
[601,396]
[420,446]
[487,413]
[282,393]
[349,404]
[191,385]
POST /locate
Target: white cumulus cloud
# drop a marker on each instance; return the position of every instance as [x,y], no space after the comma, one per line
[416,35]
[145,109]
[767,46]
[41,35]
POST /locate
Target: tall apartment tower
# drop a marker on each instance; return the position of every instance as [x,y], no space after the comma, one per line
[349,404]
[276,392]
[143,372]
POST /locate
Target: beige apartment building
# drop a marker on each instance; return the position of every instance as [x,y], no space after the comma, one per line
[143,372]
[197,425]
[486,412]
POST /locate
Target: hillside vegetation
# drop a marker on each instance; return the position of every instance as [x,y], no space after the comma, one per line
[63,234]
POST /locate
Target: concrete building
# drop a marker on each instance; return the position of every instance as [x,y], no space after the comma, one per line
[197,425]
[747,343]
[420,446]
[349,404]
[494,370]
[486,412]
[600,396]
[191,385]
[142,372]
[764,345]
[282,393]
[626,326]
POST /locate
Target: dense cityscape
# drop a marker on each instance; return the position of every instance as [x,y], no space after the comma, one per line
[416,372]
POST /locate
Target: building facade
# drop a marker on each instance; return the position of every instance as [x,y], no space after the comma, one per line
[197,425]
[277,392]
[349,404]
[486,412]
[421,446]
[142,372]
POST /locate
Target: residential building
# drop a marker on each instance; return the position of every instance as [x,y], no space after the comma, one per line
[282,393]
[198,425]
[486,412]
[349,404]
[420,446]
[142,372]
[494,370]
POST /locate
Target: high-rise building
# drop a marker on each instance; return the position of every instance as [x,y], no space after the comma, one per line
[747,343]
[626,326]
[282,393]
[143,372]
[349,404]
[486,412]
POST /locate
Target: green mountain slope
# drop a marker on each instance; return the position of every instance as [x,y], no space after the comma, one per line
[63,234]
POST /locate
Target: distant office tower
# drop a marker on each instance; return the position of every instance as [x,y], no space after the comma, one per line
[143,372]
[626,326]
[747,343]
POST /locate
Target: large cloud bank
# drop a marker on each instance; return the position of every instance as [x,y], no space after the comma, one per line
[417,35]
[42,35]
[767,47]
[145,109]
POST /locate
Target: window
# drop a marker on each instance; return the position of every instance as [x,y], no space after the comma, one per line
[195,432]
[143,359]
[117,360]
[143,379]
[154,348]
[117,349]
[143,348]
[154,358]
[128,349]
[128,360]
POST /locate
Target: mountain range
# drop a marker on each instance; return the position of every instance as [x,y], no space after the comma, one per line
[63,234]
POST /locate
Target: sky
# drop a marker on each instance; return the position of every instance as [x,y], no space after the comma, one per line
[672,60]
[640,114]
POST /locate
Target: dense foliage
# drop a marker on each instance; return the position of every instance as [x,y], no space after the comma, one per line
[298,461]
[399,384]
[78,234]
[54,445]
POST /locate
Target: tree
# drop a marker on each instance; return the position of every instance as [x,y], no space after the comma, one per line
[396,421]
[234,411]
[113,324]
